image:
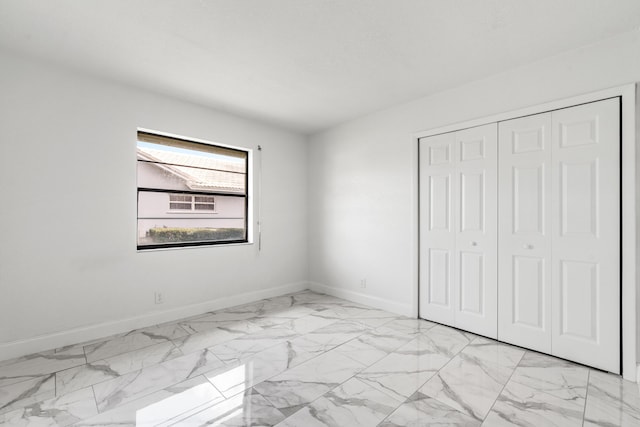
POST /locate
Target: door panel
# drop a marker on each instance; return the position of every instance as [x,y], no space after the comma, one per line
[579,289]
[437,232]
[528,292]
[528,199]
[472,275]
[439,212]
[524,294]
[472,149]
[439,153]
[579,197]
[586,238]
[472,201]
[439,277]
[475,280]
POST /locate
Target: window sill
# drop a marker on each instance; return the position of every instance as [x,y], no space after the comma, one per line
[204,246]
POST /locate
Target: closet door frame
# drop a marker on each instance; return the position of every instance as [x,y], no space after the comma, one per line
[630,192]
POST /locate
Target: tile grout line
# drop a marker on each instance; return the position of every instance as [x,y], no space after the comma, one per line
[504,386]
[586,397]
[95,400]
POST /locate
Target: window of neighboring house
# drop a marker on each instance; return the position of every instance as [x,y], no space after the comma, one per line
[187,202]
[204,186]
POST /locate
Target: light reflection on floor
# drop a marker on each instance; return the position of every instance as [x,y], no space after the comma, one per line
[187,407]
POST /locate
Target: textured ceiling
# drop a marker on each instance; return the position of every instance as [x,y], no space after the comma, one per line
[305,64]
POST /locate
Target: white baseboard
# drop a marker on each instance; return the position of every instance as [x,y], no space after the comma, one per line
[382,304]
[41,343]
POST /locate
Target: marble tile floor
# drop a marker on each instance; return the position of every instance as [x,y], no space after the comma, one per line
[307,359]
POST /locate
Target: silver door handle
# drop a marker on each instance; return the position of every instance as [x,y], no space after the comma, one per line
[474,243]
[528,246]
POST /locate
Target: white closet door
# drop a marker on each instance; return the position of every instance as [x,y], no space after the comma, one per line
[586,234]
[475,275]
[458,229]
[437,228]
[525,232]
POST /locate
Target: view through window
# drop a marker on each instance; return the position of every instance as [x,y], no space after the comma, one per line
[190,193]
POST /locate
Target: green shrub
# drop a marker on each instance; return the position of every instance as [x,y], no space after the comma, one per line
[175,234]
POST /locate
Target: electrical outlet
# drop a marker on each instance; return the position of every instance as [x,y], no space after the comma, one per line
[159,298]
[363,283]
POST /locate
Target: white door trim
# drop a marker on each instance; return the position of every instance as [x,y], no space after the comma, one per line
[630,198]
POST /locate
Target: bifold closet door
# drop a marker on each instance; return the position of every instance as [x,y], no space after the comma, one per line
[559,257]
[586,234]
[524,260]
[476,211]
[458,229]
[437,227]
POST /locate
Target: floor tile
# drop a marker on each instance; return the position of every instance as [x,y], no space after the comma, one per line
[447,340]
[611,401]
[19,395]
[402,372]
[308,323]
[247,346]
[113,367]
[262,366]
[61,411]
[370,317]
[36,365]
[472,380]
[408,325]
[519,405]
[175,402]
[115,392]
[244,409]
[166,331]
[422,411]
[324,339]
[121,344]
[306,382]
[352,404]
[373,345]
[553,376]
[214,321]
[207,338]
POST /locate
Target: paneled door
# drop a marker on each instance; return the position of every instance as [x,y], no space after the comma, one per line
[458,229]
[586,263]
[476,253]
[524,260]
[437,227]
[559,233]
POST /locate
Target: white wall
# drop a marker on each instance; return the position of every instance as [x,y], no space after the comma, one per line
[68,259]
[363,208]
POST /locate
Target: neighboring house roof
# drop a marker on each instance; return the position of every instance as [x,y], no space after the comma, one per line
[199,173]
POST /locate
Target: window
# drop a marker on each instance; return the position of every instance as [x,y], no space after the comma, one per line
[187,202]
[190,193]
